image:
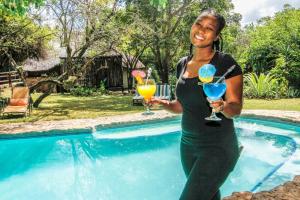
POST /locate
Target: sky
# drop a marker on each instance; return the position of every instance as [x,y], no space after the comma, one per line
[252,10]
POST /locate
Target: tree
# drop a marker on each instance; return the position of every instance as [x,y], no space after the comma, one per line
[20,38]
[130,46]
[274,45]
[168,35]
[17,7]
[84,26]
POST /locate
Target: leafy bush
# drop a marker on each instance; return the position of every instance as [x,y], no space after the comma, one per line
[262,86]
[102,89]
[292,93]
[82,91]
[173,81]
[70,82]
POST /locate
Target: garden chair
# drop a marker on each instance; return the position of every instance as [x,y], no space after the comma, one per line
[163,91]
[137,99]
[19,103]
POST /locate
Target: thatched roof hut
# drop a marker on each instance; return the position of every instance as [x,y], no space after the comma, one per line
[36,68]
[112,68]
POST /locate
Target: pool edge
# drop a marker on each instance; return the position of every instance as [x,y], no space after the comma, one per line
[21,130]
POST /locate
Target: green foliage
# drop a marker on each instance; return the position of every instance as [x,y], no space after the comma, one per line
[70,82]
[159,3]
[292,92]
[155,76]
[102,89]
[166,28]
[273,45]
[18,7]
[21,38]
[82,91]
[173,81]
[262,86]
[87,91]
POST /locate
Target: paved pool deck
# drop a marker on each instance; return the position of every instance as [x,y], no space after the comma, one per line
[42,126]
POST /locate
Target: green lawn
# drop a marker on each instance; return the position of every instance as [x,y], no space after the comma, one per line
[279,104]
[59,107]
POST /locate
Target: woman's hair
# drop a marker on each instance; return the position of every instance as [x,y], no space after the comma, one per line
[221,24]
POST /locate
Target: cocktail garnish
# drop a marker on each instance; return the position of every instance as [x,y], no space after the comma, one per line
[148,74]
[206,73]
[138,75]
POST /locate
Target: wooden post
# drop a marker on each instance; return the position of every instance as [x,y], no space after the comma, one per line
[9,80]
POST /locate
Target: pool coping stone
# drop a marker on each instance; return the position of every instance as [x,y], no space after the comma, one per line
[74,126]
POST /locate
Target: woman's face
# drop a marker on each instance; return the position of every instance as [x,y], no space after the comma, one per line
[204,31]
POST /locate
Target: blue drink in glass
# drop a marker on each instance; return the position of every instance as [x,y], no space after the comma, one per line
[214,91]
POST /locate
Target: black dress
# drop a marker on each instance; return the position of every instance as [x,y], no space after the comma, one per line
[209,150]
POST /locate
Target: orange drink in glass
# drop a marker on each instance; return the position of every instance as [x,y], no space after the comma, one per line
[147,90]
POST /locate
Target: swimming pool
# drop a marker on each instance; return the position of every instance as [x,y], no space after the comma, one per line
[140,161]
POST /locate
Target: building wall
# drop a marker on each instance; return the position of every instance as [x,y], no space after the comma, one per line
[125,79]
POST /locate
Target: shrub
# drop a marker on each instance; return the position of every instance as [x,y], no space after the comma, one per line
[82,91]
[70,82]
[262,86]
[292,93]
[102,89]
[173,81]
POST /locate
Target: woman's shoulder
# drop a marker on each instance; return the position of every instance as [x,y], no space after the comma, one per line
[224,61]
[225,57]
[180,64]
[183,60]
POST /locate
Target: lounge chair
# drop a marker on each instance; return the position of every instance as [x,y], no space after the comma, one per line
[137,99]
[19,103]
[163,91]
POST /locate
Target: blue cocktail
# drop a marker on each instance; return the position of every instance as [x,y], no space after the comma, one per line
[214,91]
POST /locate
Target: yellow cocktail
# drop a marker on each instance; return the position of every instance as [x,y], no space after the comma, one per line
[206,79]
[147,90]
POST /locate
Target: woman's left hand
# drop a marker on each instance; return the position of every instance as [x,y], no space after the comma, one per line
[217,106]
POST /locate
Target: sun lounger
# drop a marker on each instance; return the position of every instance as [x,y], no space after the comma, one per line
[19,103]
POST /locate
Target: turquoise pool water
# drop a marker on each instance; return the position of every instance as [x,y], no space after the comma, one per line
[137,162]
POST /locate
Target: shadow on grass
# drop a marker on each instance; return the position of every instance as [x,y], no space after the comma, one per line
[114,103]
[37,115]
[61,107]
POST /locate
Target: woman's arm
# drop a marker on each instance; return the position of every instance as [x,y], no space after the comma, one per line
[233,103]
[171,106]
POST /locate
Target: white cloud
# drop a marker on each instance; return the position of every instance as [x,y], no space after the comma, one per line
[255,9]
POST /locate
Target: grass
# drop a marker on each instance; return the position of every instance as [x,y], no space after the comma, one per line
[278,104]
[60,107]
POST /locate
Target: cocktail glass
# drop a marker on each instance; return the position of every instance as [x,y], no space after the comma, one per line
[147,90]
[214,91]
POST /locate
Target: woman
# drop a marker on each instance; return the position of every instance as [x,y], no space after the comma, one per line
[209,150]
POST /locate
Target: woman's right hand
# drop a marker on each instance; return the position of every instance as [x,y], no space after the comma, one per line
[157,101]
[172,106]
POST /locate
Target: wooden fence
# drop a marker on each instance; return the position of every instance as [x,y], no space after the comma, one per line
[9,78]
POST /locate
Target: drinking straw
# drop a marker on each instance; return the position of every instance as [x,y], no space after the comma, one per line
[148,75]
[227,72]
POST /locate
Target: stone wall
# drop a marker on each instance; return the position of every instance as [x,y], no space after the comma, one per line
[288,191]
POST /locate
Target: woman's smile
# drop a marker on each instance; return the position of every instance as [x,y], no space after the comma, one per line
[199,37]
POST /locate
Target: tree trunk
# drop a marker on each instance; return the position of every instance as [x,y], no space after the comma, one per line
[18,69]
[43,96]
[166,65]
